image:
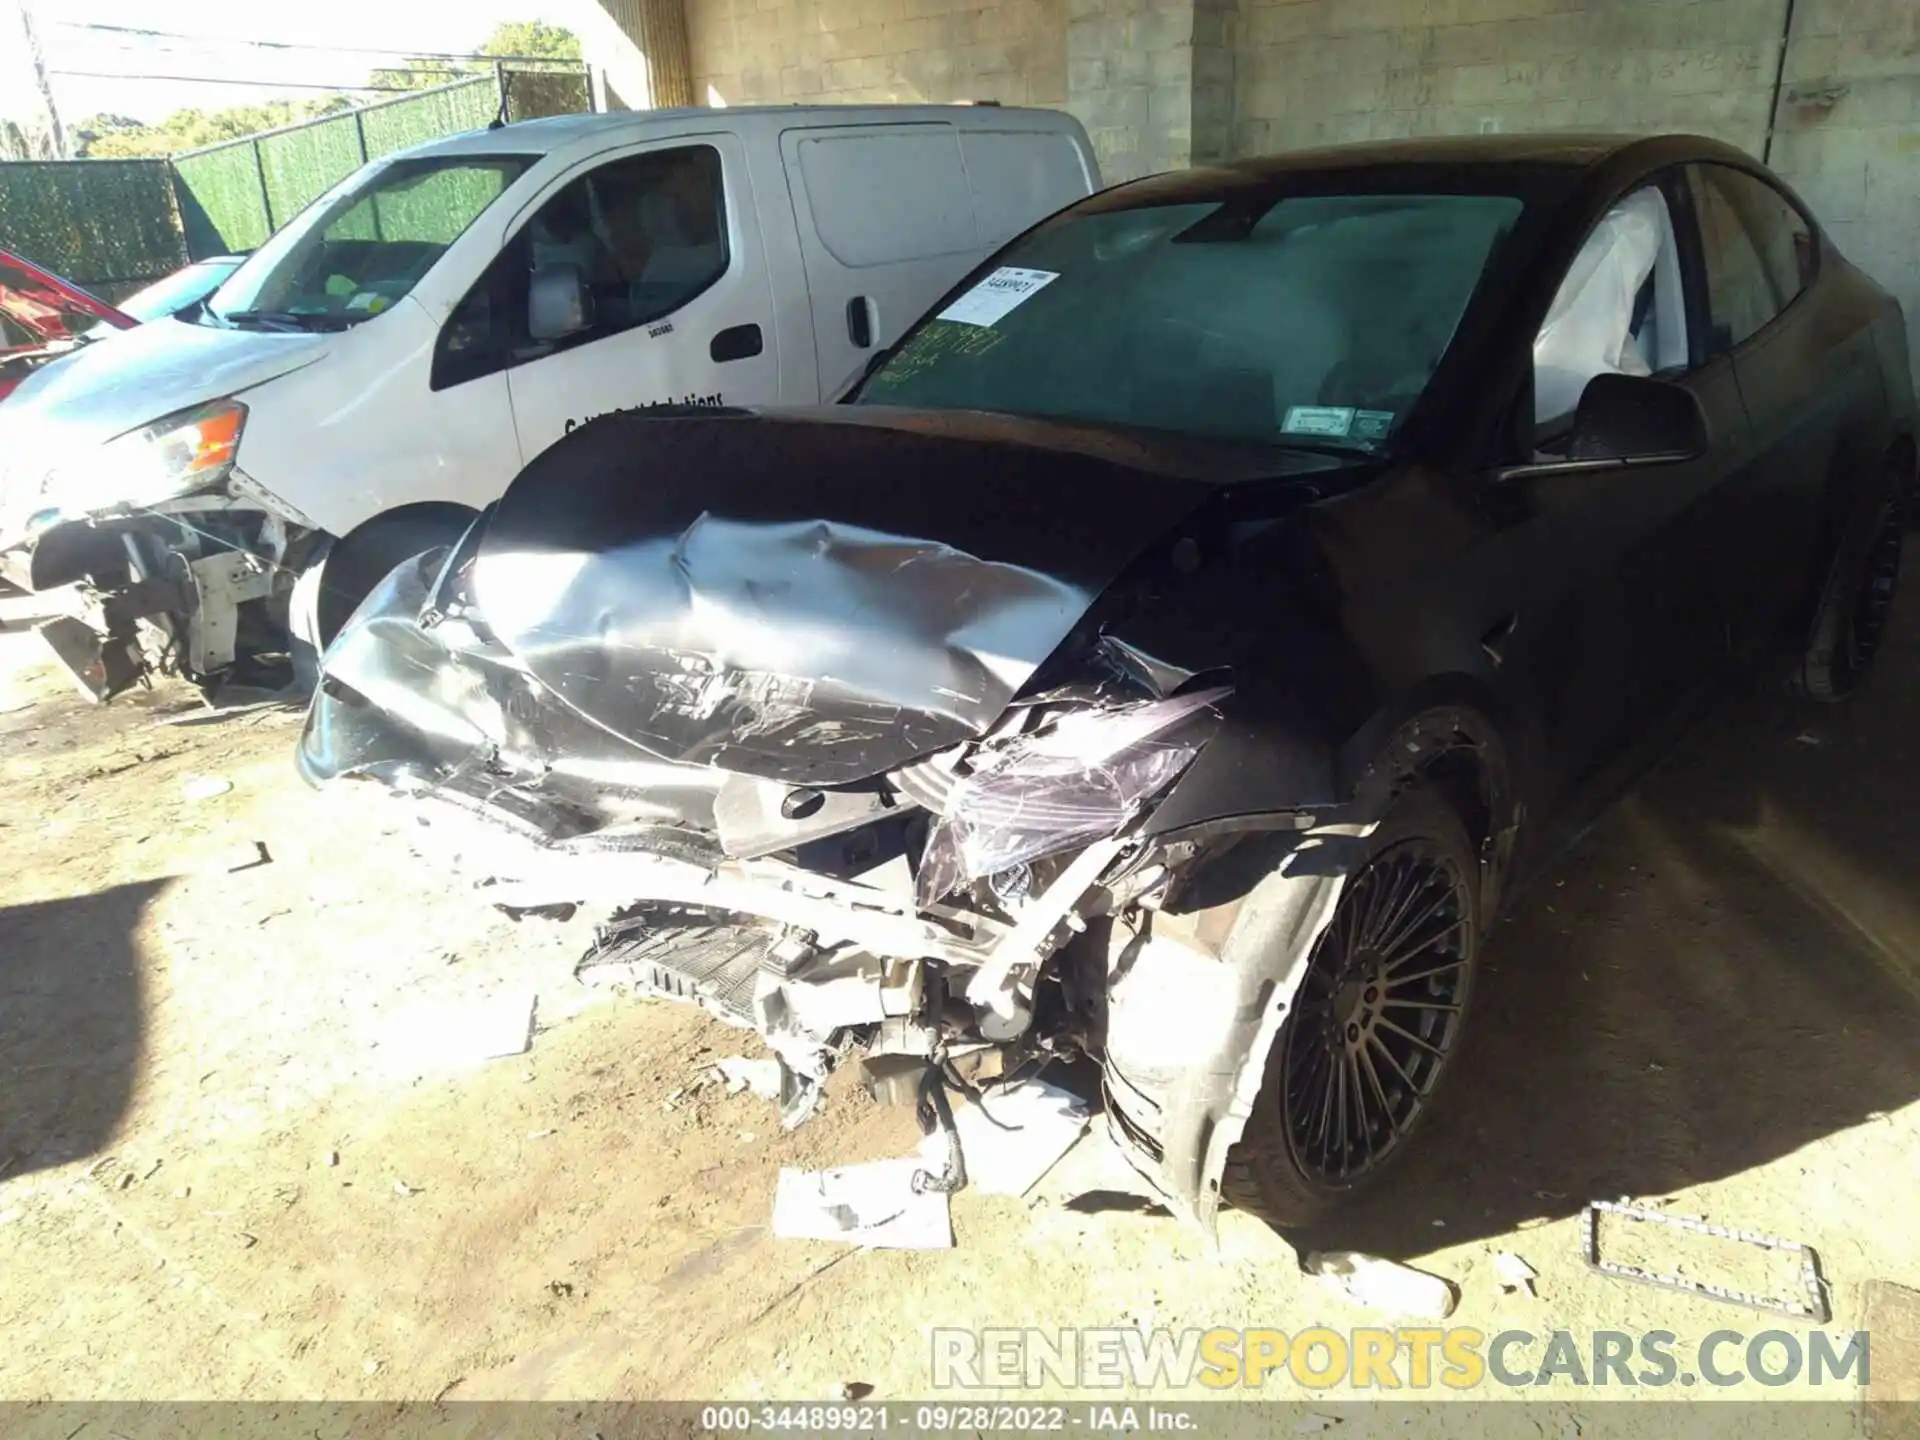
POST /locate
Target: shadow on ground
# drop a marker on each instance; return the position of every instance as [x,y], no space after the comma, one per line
[1724,970]
[71,1025]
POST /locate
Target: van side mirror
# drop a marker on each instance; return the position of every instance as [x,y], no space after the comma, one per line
[558,302]
[1635,417]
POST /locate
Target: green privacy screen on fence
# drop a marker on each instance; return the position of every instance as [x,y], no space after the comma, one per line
[114,225]
[234,195]
[108,225]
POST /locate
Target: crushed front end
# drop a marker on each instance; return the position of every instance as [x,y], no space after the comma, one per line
[856,789]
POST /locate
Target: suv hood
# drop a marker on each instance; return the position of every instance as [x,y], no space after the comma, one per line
[813,596]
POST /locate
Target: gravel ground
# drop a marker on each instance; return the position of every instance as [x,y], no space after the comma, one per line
[251,1144]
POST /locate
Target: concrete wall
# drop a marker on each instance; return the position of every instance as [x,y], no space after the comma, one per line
[1164,83]
[1323,71]
[1848,134]
[815,51]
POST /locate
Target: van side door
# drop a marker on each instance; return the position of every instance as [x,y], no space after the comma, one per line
[674,306]
[891,216]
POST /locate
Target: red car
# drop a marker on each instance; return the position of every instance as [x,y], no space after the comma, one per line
[40,316]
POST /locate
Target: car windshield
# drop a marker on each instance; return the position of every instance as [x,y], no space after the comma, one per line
[353,253]
[1313,320]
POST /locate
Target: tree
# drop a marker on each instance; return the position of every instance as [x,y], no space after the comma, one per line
[524,39]
[118,136]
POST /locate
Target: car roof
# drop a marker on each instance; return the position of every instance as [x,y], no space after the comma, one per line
[1482,157]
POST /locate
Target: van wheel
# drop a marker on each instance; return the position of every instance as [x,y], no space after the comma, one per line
[354,566]
[1375,1024]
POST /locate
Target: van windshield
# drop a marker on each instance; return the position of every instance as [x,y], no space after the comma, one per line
[1310,321]
[352,253]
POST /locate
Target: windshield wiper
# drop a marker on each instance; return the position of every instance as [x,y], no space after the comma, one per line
[291,320]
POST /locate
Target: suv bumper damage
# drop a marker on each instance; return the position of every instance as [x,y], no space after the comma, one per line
[980,910]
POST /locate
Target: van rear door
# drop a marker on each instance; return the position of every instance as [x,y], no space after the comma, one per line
[890,216]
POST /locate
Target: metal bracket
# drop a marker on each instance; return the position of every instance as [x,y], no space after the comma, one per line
[1814,1307]
[221,582]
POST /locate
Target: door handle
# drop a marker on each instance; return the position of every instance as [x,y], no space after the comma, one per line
[860,322]
[736,342]
[1495,640]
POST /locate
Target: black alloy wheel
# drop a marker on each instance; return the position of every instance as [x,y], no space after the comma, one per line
[1379,1012]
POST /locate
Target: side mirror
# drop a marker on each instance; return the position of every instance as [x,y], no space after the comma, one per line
[1634,417]
[558,303]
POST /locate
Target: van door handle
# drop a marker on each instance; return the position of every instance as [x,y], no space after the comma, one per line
[860,322]
[736,342]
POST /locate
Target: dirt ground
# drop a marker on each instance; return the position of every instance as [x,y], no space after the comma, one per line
[250,1147]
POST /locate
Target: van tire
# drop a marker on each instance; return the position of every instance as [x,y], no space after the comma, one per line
[352,567]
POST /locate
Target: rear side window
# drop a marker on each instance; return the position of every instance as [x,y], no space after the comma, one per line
[1759,249]
[883,196]
[1018,178]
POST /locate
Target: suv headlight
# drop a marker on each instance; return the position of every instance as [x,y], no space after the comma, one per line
[179,454]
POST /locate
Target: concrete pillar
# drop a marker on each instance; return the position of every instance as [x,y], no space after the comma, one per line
[1152,80]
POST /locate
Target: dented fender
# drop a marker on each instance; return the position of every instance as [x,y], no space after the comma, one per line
[1197,998]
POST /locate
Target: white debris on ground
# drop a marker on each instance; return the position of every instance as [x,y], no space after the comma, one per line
[738,1073]
[1515,1273]
[874,1205]
[1384,1284]
[1014,1136]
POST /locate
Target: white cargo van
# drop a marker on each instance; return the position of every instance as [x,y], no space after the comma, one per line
[384,365]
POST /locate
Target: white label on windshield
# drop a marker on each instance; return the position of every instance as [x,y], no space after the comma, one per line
[998,295]
[1334,421]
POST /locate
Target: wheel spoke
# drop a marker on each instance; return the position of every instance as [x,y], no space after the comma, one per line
[1407,954]
[1405,1079]
[1392,942]
[1426,1045]
[1365,1061]
[1390,1003]
[1407,886]
[1359,1094]
[1394,982]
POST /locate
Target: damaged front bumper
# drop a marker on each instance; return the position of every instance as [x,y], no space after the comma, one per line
[191,587]
[976,911]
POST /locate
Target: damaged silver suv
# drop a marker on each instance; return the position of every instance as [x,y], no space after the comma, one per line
[1179,643]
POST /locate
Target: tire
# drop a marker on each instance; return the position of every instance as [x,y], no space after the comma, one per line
[354,566]
[1415,887]
[1854,604]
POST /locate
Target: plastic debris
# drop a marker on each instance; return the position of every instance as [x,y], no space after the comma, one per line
[1013,1136]
[873,1205]
[1384,1284]
[1515,1273]
[762,1077]
[204,787]
[403,1189]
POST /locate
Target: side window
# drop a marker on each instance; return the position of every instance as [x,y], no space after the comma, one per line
[646,233]
[1620,309]
[1759,251]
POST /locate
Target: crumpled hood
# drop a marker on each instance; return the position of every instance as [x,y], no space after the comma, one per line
[812,596]
[108,388]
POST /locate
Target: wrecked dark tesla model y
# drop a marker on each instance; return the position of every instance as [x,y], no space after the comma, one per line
[1179,643]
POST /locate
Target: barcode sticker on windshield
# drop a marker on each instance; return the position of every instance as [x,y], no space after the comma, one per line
[1333,421]
[998,295]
